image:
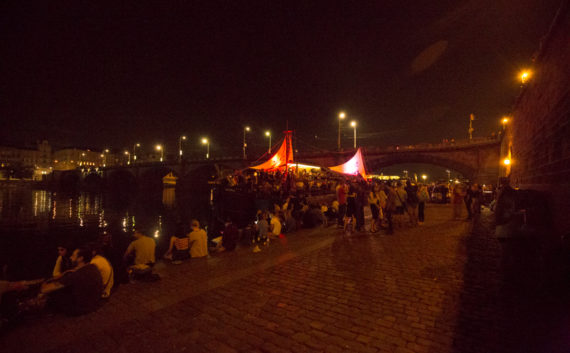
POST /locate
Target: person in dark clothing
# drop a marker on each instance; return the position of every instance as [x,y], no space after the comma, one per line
[361,201]
[230,236]
[79,290]
[469,200]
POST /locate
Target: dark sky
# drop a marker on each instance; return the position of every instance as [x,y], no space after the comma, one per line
[93,74]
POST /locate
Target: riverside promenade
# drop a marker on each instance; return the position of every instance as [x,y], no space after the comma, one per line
[446,286]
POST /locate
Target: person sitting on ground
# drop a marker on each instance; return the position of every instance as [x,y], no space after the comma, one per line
[179,248]
[78,290]
[229,238]
[142,249]
[198,240]
[63,262]
[275,225]
[105,269]
[262,231]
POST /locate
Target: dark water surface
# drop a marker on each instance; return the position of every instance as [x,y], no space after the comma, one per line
[34,222]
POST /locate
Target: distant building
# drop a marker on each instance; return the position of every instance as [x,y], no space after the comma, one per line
[26,162]
[73,158]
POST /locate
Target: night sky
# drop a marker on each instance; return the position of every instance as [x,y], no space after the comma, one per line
[87,73]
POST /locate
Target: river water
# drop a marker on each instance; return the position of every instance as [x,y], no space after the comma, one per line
[34,222]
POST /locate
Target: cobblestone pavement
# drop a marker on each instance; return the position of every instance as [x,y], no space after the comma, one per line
[441,287]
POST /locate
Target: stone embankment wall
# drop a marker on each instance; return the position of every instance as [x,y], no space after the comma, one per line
[540,134]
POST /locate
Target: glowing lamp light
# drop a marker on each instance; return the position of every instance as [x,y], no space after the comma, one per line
[158,147]
[506,161]
[247,128]
[525,75]
[424,177]
[341,115]
[267,133]
[204,141]
[353,123]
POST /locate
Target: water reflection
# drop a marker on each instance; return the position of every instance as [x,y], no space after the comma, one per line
[168,197]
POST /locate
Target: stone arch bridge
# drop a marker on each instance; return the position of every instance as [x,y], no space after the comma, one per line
[477,160]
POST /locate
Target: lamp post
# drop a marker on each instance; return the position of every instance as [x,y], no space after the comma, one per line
[424,177]
[268,134]
[206,142]
[353,124]
[161,149]
[505,121]
[128,154]
[105,152]
[525,75]
[180,147]
[341,116]
[135,151]
[245,129]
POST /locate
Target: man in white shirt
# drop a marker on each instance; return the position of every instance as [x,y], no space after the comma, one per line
[198,240]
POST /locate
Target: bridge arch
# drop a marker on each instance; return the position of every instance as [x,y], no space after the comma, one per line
[377,162]
[121,179]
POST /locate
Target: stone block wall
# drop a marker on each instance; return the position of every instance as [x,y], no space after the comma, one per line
[540,130]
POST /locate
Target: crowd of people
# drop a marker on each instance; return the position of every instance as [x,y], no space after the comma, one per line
[84,275]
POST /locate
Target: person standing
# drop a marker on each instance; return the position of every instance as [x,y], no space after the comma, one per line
[412,202]
[374,203]
[468,200]
[341,198]
[423,197]
[457,200]
[391,205]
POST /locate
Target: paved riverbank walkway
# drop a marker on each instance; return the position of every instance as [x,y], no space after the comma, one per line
[441,287]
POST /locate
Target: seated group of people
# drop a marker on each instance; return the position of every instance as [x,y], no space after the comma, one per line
[82,277]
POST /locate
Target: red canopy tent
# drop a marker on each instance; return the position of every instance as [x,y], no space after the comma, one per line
[353,166]
[282,158]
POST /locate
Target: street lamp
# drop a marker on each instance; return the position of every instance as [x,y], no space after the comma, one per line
[135,151]
[525,75]
[507,161]
[104,155]
[245,129]
[206,142]
[341,116]
[180,147]
[161,149]
[353,124]
[128,154]
[424,177]
[505,121]
[448,174]
[268,134]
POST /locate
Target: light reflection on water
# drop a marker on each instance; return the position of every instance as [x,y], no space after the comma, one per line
[33,222]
